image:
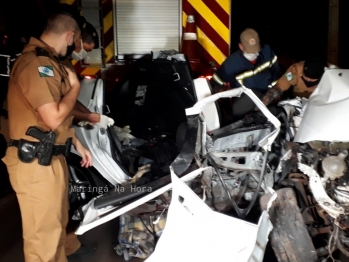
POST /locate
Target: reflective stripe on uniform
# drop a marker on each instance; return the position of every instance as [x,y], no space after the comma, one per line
[257,70]
[274,60]
[217,79]
[272,84]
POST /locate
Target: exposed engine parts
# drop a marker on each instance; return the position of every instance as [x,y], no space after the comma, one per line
[323,192]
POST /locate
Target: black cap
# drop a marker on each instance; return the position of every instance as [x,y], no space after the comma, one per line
[90,30]
[314,67]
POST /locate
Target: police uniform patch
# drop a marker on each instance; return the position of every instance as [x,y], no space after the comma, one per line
[46,71]
[289,76]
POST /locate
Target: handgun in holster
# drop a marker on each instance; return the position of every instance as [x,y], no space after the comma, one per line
[44,149]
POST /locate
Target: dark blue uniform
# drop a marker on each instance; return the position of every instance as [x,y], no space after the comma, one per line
[237,70]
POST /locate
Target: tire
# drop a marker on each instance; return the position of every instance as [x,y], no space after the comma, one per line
[289,238]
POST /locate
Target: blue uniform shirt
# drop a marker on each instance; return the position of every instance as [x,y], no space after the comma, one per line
[237,70]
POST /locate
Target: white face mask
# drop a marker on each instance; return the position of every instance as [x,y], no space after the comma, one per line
[81,55]
[251,57]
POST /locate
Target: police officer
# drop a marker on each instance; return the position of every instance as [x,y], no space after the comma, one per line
[42,93]
[303,77]
[252,66]
[84,44]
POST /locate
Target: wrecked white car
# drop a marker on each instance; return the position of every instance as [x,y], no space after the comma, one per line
[173,129]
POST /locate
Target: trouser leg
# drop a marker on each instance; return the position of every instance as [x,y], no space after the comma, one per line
[42,196]
[72,243]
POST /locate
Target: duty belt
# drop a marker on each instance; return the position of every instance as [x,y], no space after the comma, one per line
[57,149]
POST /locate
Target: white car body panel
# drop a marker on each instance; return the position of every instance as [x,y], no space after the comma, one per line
[210,111]
[93,218]
[325,117]
[194,232]
[96,139]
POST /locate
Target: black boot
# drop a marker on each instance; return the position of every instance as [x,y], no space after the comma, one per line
[83,251]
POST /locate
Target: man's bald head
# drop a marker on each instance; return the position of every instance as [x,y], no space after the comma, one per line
[61,23]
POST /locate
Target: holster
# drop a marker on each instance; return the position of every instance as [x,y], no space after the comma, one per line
[44,151]
[67,148]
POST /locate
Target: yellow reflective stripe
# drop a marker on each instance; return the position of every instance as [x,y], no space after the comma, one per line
[244,75]
[217,79]
[272,84]
[259,69]
[253,72]
[274,60]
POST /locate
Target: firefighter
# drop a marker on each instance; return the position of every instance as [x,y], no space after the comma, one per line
[252,66]
[86,43]
[303,77]
[41,95]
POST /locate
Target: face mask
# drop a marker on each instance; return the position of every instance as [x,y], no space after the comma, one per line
[251,57]
[70,49]
[310,84]
[81,55]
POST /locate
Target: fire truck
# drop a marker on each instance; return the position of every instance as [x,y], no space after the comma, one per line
[130,30]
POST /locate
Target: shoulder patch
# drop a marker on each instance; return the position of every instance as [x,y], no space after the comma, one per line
[41,52]
[45,71]
[289,76]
